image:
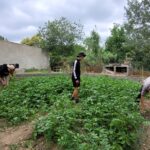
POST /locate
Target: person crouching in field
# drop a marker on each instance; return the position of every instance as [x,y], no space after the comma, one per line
[7,70]
[76,76]
[144,90]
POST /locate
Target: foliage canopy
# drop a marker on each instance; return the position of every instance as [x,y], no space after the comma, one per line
[138,31]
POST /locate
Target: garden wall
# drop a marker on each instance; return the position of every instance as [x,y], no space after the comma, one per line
[28,57]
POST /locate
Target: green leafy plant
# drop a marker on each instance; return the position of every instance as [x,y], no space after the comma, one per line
[106,118]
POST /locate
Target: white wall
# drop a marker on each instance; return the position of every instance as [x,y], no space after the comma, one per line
[27,57]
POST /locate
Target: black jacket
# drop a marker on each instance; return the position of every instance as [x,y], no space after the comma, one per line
[4,70]
[76,70]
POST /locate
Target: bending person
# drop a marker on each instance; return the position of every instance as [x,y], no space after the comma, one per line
[144,90]
[5,71]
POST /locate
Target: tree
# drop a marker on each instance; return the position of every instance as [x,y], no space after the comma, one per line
[33,41]
[115,43]
[108,57]
[59,37]
[92,42]
[94,51]
[138,31]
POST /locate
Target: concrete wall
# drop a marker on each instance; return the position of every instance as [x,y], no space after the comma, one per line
[28,57]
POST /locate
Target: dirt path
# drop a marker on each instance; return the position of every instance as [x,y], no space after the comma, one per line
[145,145]
[147,105]
[145,135]
[15,135]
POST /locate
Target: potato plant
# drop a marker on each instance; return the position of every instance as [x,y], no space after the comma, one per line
[106,118]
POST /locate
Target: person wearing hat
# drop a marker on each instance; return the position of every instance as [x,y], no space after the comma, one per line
[76,76]
[5,71]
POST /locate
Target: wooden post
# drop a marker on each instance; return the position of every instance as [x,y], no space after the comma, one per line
[114,69]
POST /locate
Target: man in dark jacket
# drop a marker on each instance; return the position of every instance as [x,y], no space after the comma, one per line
[5,71]
[76,76]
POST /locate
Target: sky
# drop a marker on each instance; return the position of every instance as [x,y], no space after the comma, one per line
[22,18]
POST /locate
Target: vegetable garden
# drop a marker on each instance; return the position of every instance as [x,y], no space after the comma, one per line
[106,118]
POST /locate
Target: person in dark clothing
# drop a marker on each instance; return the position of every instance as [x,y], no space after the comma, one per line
[76,76]
[5,71]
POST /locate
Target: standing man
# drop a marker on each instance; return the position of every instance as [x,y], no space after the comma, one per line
[76,76]
[144,89]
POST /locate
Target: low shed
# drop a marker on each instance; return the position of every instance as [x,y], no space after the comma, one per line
[119,68]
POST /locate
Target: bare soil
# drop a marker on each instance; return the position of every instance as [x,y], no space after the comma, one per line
[15,135]
[20,138]
[145,136]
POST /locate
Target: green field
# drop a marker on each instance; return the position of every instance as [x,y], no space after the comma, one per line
[106,118]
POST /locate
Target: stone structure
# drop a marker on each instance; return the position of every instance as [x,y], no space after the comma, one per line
[118,68]
[28,57]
